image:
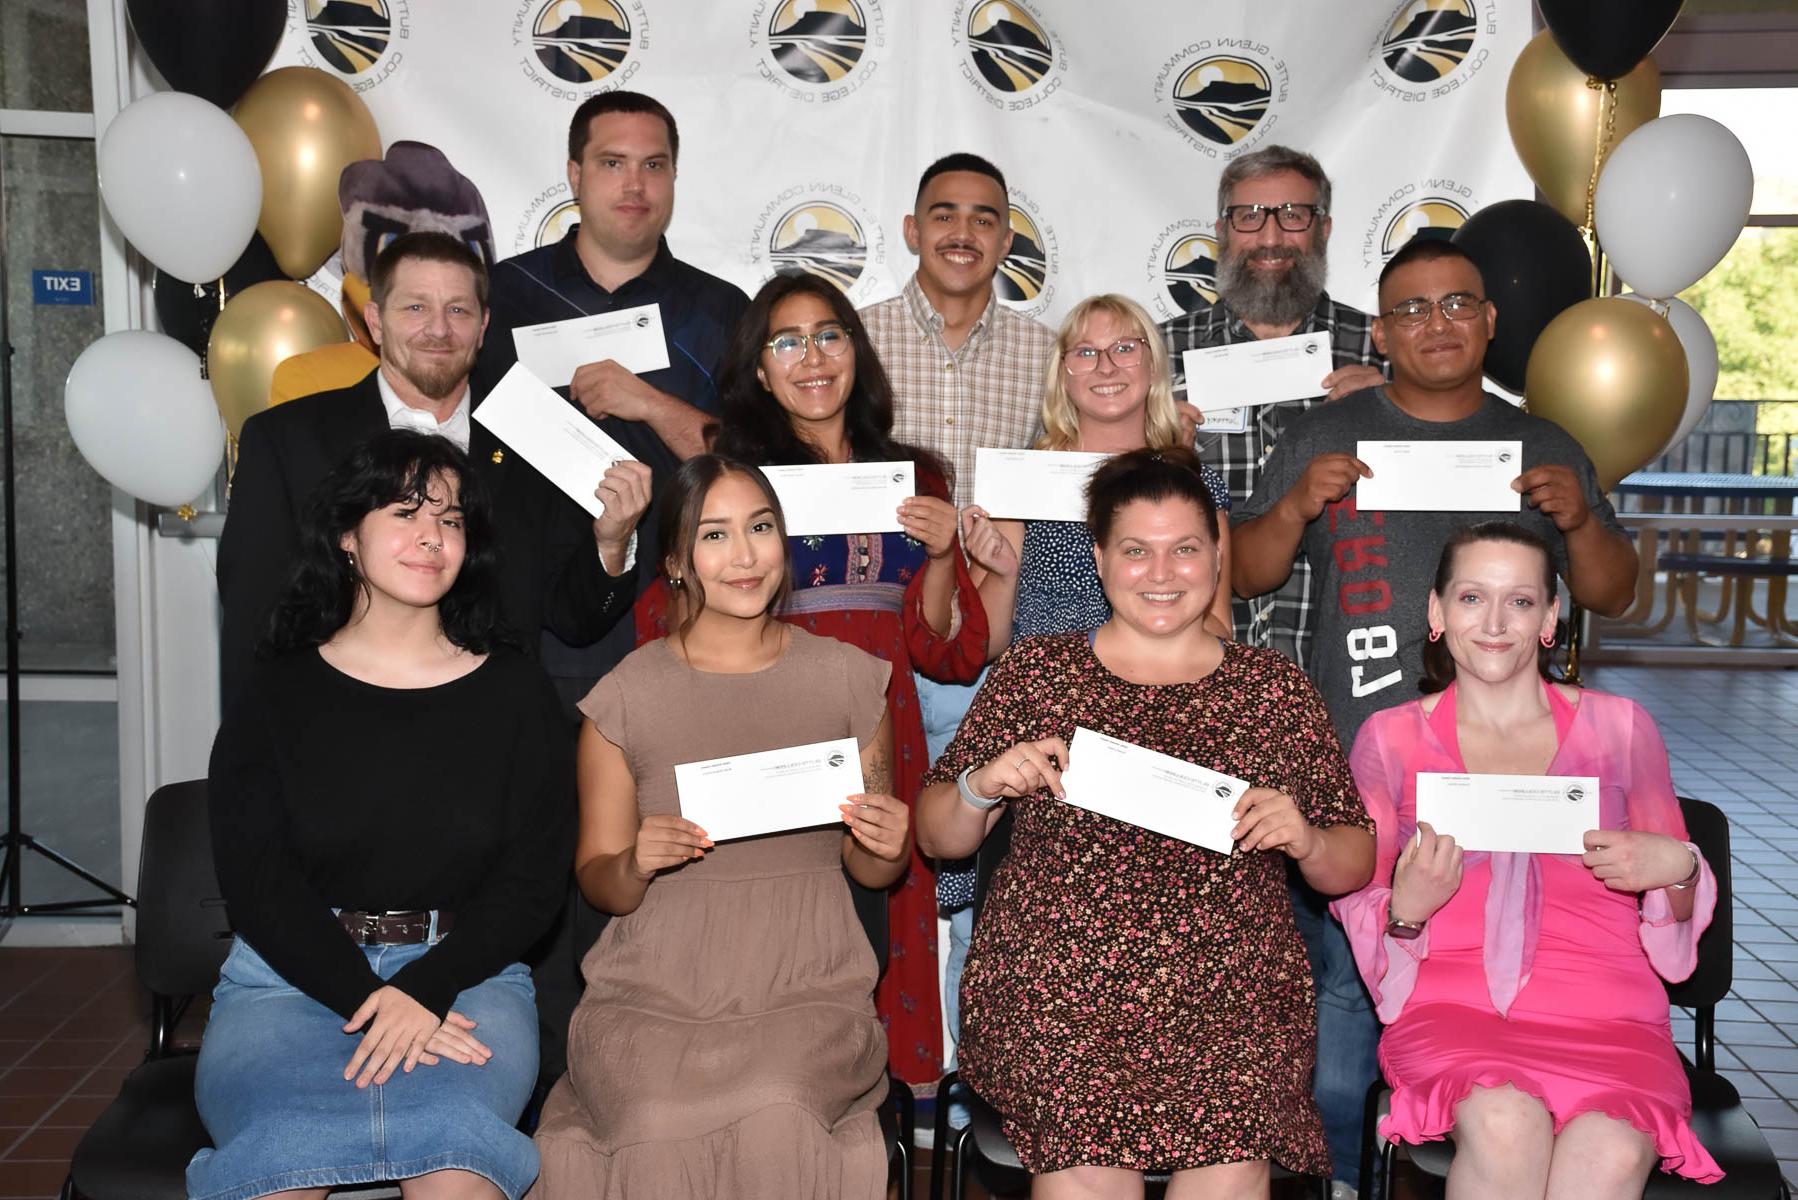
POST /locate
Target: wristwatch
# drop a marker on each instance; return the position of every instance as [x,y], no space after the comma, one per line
[1404,931]
[973,798]
[1690,879]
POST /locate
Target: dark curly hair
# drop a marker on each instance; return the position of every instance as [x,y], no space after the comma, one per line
[754,428]
[390,468]
[1438,664]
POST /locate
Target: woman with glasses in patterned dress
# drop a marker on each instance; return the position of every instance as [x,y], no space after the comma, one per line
[1109,390]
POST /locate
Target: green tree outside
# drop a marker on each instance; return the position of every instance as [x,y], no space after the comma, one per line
[1749,303]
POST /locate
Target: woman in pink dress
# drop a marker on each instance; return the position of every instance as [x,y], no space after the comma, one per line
[1521,993]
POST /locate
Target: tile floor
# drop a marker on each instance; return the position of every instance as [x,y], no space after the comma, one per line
[73,1022]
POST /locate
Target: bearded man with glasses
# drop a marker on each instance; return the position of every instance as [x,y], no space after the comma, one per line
[1373,569]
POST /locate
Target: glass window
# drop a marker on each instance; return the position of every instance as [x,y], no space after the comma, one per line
[43,56]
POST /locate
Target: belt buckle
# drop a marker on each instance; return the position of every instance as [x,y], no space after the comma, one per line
[371,929]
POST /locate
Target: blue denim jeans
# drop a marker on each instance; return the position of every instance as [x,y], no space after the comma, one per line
[270,1089]
[1348,1033]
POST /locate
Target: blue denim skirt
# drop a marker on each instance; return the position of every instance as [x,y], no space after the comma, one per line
[271,1091]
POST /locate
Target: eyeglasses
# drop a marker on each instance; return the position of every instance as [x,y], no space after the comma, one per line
[831,341]
[1293,218]
[1124,353]
[1456,306]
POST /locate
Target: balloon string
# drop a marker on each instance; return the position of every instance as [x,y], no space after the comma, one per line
[230,464]
[1607,128]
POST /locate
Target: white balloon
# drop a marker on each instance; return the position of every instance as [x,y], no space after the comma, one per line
[1701,361]
[1671,200]
[143,418]
[180,178]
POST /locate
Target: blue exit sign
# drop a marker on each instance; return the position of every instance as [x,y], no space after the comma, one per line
[62,287]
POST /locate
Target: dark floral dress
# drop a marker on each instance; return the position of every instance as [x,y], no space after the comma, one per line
[1131,1000]
[867,590]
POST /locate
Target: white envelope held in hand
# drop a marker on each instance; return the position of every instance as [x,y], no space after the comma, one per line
[1034,485]
[1523,814]
[1263,371]
[553,435]
[770,791]
[1445,476]
[555,350]
[1152,790]
[831,498]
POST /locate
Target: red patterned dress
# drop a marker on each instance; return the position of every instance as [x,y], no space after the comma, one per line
[867,590]
[1131,1000]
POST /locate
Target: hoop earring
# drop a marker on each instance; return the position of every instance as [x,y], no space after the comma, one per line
[1548,640]
[1435,635]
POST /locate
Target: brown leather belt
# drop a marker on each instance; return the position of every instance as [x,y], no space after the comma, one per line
[393,928]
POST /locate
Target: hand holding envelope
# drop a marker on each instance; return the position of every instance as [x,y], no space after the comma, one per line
[1426,876]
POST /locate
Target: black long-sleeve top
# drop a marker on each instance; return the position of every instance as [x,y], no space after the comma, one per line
[327,792]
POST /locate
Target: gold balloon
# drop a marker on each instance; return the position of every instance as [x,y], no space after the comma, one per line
[1556,121]
[1612,374]
[306,126]
[260,327]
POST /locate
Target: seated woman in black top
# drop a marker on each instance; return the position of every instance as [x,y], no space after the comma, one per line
[392,814]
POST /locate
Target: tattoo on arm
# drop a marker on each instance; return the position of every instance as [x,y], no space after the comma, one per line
[877,773]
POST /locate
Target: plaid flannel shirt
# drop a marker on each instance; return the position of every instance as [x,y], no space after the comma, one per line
[987,394]
[1284,618]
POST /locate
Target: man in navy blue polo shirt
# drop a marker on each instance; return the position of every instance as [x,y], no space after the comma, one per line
[622,152]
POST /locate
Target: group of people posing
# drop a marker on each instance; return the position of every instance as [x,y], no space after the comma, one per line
[455,702]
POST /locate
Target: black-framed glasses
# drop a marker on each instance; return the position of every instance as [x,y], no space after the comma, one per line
[1124,354]
[1456,306]
[1292,218]
[831,341]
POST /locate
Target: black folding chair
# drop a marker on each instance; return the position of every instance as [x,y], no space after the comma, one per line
[981,1147]
[898,1112]
[1723,1126]
[139,1147]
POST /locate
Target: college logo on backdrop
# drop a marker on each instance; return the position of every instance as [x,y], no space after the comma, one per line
[1431,47]
[820,229]
[1026,279]
[1428,208]
[1008,53]
[547,218]
[360,41]
[817,50]
[574,48]
[1181,269]
[1223,95]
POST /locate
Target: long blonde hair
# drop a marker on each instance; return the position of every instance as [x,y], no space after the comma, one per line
[1061,420]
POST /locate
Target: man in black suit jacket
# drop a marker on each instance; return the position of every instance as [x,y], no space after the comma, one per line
[560,570]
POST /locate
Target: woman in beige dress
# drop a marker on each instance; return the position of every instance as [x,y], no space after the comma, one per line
[726,1044]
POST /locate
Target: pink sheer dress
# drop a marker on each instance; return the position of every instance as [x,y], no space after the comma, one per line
[1534,974]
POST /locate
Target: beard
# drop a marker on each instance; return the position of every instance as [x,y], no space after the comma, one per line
[1280,298]
[437,378]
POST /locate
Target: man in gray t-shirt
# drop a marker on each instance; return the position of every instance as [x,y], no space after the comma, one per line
[1373,570]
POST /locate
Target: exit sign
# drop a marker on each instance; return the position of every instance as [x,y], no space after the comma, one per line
[62,287]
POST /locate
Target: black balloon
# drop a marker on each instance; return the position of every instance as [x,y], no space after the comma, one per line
[212,48]
[1536,265]
[1607,38]
[186,311]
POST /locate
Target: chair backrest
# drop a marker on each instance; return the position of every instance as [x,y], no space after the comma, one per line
[992,852]
[1708,829]
[871,910]
[183,931]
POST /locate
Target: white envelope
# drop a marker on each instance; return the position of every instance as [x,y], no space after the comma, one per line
[1528,814]
[1152,790]
[1446,476]
[771,790]
[1264,371]
[632,337]
[553,435]
[831,498]
[1034,485]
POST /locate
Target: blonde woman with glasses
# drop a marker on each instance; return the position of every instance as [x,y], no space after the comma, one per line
[1109,390]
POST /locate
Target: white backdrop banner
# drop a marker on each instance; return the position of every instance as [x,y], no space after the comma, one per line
[805,123]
